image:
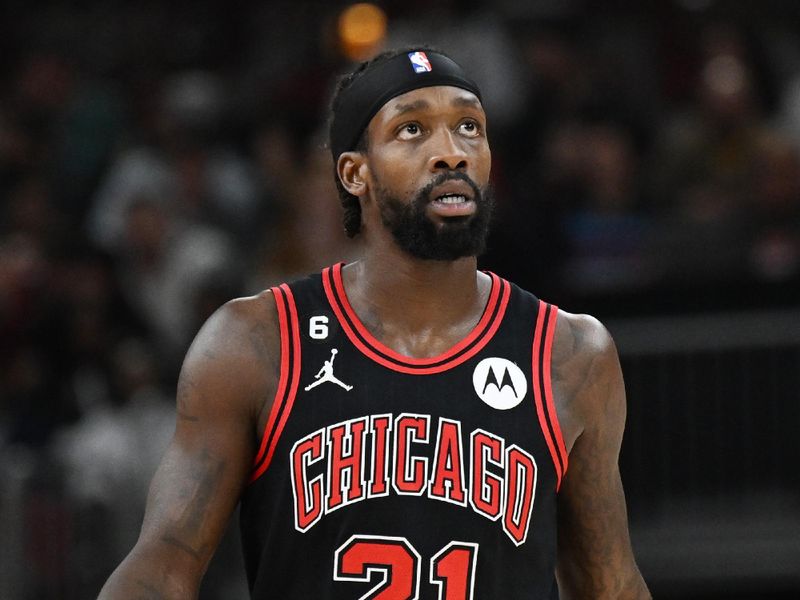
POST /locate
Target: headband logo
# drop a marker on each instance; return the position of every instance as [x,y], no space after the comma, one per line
[420,62]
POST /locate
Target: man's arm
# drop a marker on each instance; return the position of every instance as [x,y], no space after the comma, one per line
[595,559]
[227,380]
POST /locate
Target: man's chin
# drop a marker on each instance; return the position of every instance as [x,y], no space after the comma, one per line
[444,247]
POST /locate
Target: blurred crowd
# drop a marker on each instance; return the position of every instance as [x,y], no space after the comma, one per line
[157,159]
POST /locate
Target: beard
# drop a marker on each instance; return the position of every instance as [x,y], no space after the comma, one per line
[418,235]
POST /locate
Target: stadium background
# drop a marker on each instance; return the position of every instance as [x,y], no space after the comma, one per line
[158,158]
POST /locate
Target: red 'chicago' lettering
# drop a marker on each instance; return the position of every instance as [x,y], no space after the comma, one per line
[486,489]
[447,482]
[346,462]
[381,426]
[307,493]
[409,473]
[500,481]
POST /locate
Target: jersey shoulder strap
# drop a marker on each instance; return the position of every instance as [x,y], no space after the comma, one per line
[288,380]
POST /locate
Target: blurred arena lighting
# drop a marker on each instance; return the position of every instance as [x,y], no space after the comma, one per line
[362,30]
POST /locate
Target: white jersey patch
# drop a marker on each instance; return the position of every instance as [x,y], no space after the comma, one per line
[499,382]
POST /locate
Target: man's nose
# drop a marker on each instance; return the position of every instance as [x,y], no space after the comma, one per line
[447,152]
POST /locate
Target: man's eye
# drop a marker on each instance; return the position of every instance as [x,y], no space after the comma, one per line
[470,128]
[409,130]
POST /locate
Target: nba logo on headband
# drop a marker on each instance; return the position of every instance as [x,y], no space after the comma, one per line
[420,62]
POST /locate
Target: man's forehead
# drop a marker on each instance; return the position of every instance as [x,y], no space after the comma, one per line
[427,97]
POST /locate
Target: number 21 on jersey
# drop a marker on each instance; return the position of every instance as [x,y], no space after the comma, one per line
[395,565]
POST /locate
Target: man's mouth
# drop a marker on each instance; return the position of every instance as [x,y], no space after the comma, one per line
[452,205]
[451,199]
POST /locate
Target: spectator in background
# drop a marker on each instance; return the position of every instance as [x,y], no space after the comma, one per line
[164,262]
[308,235]
[29,398]
[606,232]
[712,138]
[109,457]
[773,247]
[700,165]
[189,165]
[31,234]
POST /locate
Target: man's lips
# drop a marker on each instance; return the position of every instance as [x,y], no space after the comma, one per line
[453,198]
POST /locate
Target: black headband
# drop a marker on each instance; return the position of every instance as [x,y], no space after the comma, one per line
[357,104]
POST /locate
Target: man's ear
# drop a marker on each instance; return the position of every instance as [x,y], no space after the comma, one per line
[352,169]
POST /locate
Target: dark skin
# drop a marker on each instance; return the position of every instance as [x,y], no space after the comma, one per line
[419,308]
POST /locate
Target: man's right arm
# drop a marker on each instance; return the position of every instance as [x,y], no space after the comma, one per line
[227,382]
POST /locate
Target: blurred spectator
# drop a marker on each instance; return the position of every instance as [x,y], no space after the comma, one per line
[713,138]
[700,168]
[108,459]
[191,165]
[310,234]
[606,232]
[699,238]
[29,402]
[774,197]
[164,262]
[31,211]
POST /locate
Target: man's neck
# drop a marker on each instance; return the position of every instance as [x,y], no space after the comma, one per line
[417,307]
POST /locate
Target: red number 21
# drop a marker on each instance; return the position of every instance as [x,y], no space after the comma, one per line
[395,563]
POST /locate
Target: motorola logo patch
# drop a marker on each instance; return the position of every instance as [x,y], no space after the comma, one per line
[499,382]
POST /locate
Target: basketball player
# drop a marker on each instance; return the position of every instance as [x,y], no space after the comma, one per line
[464,443]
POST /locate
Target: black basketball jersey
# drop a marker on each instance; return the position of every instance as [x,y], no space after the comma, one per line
[388,477]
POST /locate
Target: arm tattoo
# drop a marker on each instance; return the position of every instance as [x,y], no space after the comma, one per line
[168,539]
[196,495]
[148,592]
[186,389]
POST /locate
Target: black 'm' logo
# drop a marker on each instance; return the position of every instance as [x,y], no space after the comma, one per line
[491,379]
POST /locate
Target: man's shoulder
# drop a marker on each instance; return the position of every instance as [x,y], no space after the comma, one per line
[585,370]
[242,326]
[582,335]
[235,357]
[247,310]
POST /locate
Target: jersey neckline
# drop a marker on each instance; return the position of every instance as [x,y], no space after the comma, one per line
[374,349]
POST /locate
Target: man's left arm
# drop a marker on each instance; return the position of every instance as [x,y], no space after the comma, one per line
[595,558]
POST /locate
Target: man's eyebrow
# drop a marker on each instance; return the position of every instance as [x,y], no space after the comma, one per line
[469,101]
[460,101]
[400,109]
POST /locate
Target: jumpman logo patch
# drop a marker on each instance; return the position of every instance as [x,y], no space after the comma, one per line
[325,375]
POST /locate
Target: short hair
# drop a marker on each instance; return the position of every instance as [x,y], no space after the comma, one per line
[352,209]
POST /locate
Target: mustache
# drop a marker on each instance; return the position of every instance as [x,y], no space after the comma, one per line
[425,192]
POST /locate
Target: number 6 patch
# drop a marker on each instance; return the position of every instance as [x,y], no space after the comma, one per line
[394,565]
[318,327]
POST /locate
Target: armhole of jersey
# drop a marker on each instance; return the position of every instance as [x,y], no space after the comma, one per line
[287,381]
[543,389]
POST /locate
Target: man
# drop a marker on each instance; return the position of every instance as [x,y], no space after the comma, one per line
[465,446]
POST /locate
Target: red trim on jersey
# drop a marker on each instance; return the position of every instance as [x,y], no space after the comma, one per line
[378,345]
[360,336]
[296,366]
[548,389]
[288,380]
[284,373]
[542,387]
